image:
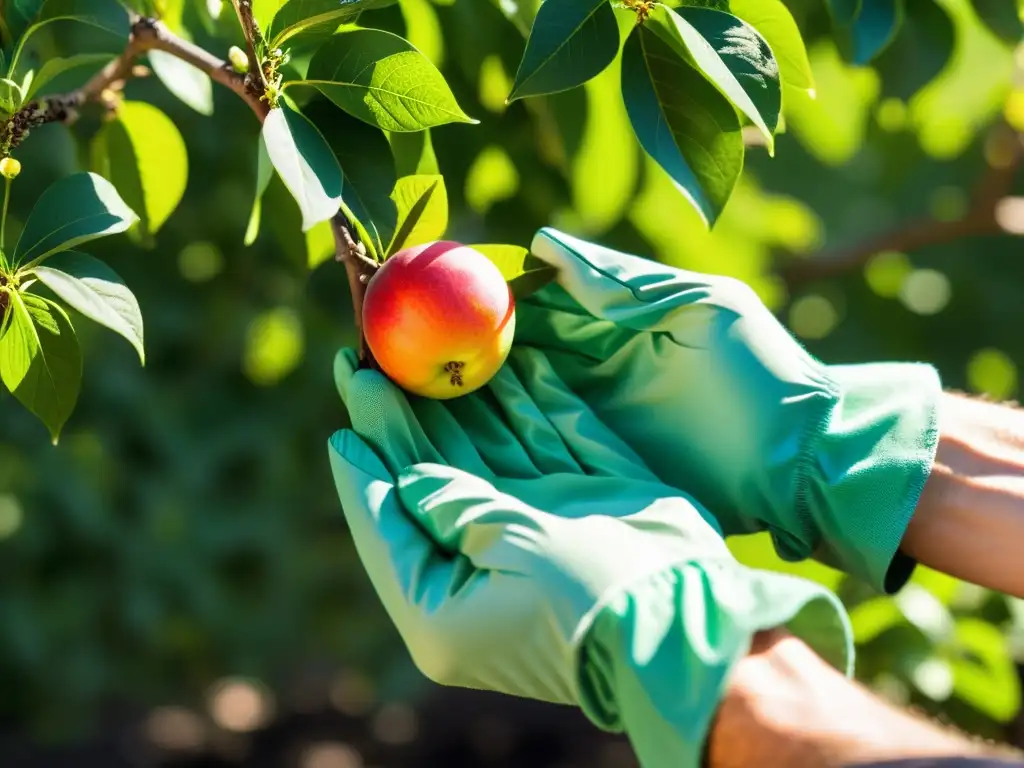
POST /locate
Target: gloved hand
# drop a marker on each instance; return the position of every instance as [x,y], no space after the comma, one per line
[560,569]
[696,375]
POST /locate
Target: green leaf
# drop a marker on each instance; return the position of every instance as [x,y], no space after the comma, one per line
[571,42]
[264,12]
[94,289]
[919,53]
[413,153]
[682,122]
[772,19]
[984,675]
[55,67]
[72,211]
[732,55]
[365,157]
[422,203]
[144,155]
[190,84]
[1002,17]
[40,360]
[843,12]
[509,259]
[864,29]
[382,79]
[305,163]
[523,271]
[264,173]
[297,16]
[110,18]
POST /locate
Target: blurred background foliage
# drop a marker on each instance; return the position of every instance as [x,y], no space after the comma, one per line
[177,580]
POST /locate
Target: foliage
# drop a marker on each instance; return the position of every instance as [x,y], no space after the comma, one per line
[185,526]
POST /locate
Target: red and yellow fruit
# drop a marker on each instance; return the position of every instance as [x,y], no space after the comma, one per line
[439,319]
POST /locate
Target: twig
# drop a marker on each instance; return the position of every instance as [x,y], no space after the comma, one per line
[251,31]
[359,268]
[981,218]
[151,35]
[146,35]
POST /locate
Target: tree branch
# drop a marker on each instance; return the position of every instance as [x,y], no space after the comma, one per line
[251,31]
[982,217]
[359,268]
[146,35]
[151,35]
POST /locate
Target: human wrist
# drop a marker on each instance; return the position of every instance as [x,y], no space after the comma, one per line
[970,517]
[785,707]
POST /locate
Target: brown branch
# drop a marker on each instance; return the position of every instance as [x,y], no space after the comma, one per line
[146,35]
[151,35]
[360,268]
[251,31]
[981,218]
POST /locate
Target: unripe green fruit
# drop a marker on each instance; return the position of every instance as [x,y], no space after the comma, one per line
[10,168]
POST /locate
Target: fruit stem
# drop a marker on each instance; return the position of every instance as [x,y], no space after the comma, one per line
[359,268]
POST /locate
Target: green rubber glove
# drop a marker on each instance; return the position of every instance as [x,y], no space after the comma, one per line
[560,569]
[699,378]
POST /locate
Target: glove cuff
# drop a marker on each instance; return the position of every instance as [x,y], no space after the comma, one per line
[657,660]
[864,469]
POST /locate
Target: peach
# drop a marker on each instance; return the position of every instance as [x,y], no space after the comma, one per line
[439,319]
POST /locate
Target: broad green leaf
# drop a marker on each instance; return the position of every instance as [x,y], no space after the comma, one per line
[264,173]
[264,11]
[525,273]
[1002,17]
[382,79]
[682,121]
[732,55]
[413,153]
[72,211]
[422,203]
[55,67]
[772,19]
[40,360]
[305,163]
[843,12]
[864,29]
[144,155]
[108,17]
[510,260]
[297,16]
[571,42]
[984,675]
[921,50]
[94,289]
[190,84]
[367,166]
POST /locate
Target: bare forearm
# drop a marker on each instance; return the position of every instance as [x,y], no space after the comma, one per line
[970,519]
[786,708]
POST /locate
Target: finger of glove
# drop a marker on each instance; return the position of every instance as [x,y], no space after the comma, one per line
[530,425]
[465,514]
[449,437]
[380,413]
[597,449]
[440,430]
[402,561]
[494,441]
[625,289]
